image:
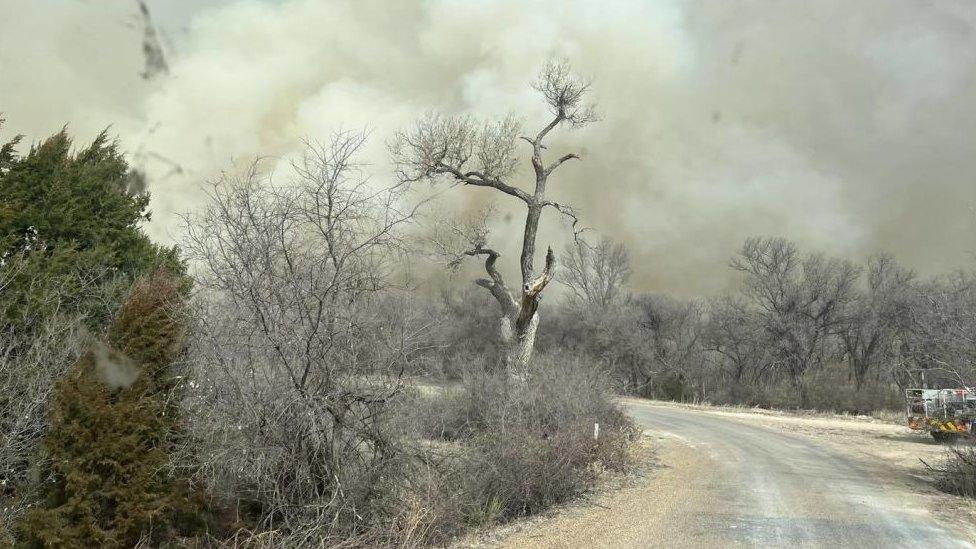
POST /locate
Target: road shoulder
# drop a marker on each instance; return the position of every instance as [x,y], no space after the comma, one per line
[648,509]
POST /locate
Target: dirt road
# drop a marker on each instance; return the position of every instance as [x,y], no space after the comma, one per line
[744,480]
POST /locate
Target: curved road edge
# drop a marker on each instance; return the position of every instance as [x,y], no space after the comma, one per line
[794,481]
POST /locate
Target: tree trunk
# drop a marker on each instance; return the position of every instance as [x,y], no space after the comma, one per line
[520,318]
[519,343]
[860,373]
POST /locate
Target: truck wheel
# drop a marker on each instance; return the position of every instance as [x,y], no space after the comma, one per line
[944,436]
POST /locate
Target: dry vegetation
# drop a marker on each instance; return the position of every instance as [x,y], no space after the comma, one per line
[287,347]
[270,404]
[805,331]
[957,475]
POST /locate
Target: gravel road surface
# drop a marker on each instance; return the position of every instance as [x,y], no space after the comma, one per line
[777,489]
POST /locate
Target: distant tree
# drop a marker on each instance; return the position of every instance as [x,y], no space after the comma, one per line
[596,274]
[674,367]
[939,349]
[734,333]
[459,150]
[877,317]
[650,344]
[801,301]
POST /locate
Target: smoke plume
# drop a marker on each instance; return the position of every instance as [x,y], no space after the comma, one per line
[845,126]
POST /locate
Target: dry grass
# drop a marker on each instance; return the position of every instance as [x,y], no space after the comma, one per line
[958,473]
[496,449]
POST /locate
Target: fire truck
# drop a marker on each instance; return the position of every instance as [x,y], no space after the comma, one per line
[946,413]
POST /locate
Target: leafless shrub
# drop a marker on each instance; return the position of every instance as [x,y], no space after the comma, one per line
[530,445]
[28,371]
[536,441]
[295,360]
[957,473]
[494,450]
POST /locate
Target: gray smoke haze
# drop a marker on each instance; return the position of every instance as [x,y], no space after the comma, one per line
[846,126]
[113,368]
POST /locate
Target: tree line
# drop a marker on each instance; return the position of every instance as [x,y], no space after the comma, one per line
[802,329]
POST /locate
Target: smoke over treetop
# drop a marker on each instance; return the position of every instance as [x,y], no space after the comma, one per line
[844,126]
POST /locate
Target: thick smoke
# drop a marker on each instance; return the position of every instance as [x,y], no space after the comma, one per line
[845,126]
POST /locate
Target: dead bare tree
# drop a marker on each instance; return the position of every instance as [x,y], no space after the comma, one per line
[465,153]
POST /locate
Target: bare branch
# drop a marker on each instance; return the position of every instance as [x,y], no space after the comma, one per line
[469,155]
[552,167]
[564,94]
[454,237]
[535,287]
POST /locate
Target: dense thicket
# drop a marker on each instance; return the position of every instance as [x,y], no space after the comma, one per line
[70,246]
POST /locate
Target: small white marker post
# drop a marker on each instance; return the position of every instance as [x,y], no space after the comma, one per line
[596,431]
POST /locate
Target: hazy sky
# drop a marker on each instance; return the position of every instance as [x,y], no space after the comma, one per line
[846,126]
